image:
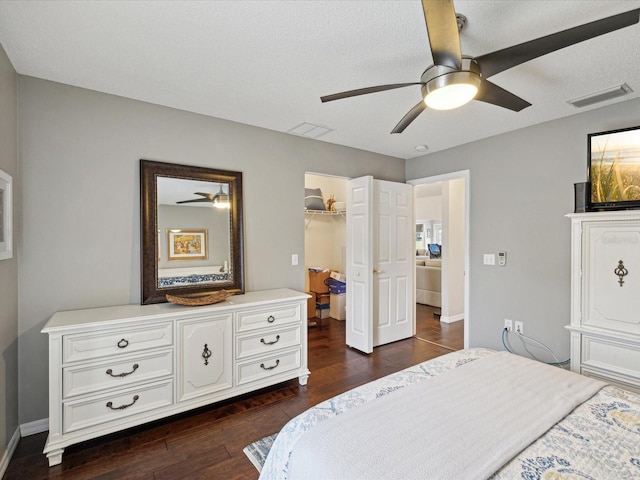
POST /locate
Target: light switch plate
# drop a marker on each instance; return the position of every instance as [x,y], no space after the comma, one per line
[489,259]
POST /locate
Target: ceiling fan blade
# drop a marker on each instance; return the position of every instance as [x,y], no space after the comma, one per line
[409,117]
[501,60]
[208,195]
[442,28]
[364,91]
[491,93]
[198,200]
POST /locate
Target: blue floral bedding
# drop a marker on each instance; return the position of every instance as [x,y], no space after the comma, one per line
[599,440]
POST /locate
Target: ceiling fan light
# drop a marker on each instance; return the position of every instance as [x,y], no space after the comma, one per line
[451,90]
[221,200]
[451,96]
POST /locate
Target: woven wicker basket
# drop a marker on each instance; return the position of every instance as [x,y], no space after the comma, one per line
[197,300]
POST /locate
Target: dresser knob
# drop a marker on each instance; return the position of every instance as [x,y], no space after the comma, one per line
[123,343]
[271,319]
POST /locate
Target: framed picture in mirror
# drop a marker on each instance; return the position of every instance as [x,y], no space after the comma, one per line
[186,244]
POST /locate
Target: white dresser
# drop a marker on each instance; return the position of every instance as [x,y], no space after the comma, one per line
[116,367]
[605,296]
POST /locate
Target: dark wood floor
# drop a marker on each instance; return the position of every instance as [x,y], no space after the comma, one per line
[428,328]
[208,443]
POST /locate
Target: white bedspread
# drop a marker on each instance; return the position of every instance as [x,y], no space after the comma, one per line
[465,424]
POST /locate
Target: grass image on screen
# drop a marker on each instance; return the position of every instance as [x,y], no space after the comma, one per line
[615,167]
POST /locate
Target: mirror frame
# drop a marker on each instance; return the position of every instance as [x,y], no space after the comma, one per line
[149,172]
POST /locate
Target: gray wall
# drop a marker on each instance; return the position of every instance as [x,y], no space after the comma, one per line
[521,187]
[9,267]
[79,153]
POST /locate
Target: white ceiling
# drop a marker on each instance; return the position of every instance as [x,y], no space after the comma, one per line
[170,190]
[266,63]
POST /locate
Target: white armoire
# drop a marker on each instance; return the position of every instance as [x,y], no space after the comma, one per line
[605,296]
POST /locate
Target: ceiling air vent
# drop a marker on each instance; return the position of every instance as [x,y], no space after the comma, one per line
[310,130]
[608,94]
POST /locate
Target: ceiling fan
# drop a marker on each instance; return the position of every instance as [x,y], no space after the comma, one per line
[455,79]
[220,199]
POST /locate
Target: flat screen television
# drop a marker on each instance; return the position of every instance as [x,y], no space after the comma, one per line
[614,169]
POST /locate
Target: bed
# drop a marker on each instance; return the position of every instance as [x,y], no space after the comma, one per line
[450,418]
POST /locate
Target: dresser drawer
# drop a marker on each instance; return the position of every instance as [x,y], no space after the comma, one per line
[267,342]
[116,372]
[116,342]
[78,414]
[610,355]
[268,317]
[267,366]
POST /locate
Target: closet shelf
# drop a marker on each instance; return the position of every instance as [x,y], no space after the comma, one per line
[312,213]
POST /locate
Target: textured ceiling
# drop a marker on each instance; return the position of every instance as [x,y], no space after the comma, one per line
[266,63]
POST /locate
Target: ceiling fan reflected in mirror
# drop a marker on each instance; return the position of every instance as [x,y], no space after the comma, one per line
[455,79]
[219,200]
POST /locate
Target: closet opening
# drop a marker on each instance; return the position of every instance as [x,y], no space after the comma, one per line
[325,248]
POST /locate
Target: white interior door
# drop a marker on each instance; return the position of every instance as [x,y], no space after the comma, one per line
[393,259]
[380,263]
[359,315]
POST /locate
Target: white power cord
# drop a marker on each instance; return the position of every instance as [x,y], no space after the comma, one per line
[523,339]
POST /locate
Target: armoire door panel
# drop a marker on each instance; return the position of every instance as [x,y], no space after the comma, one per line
[612,272]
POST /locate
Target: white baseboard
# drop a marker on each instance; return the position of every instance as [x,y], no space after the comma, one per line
[452,319]
[37,426]
[11,447]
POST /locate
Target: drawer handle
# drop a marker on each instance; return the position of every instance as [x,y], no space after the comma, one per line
[620,271]
[271,343]
[206,353]
[271,319]
[270,368]
[123,343]
[124,374]
[122,407]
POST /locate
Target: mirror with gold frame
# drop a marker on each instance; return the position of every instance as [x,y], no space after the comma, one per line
[191,230]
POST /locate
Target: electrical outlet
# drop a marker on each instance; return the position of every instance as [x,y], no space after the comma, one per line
[520,327]
[294,259]
[508,324]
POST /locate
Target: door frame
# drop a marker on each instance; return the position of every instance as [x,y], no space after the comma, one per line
[466,175]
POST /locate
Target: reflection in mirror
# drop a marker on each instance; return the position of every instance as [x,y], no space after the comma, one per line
[191,220]
[194,237]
